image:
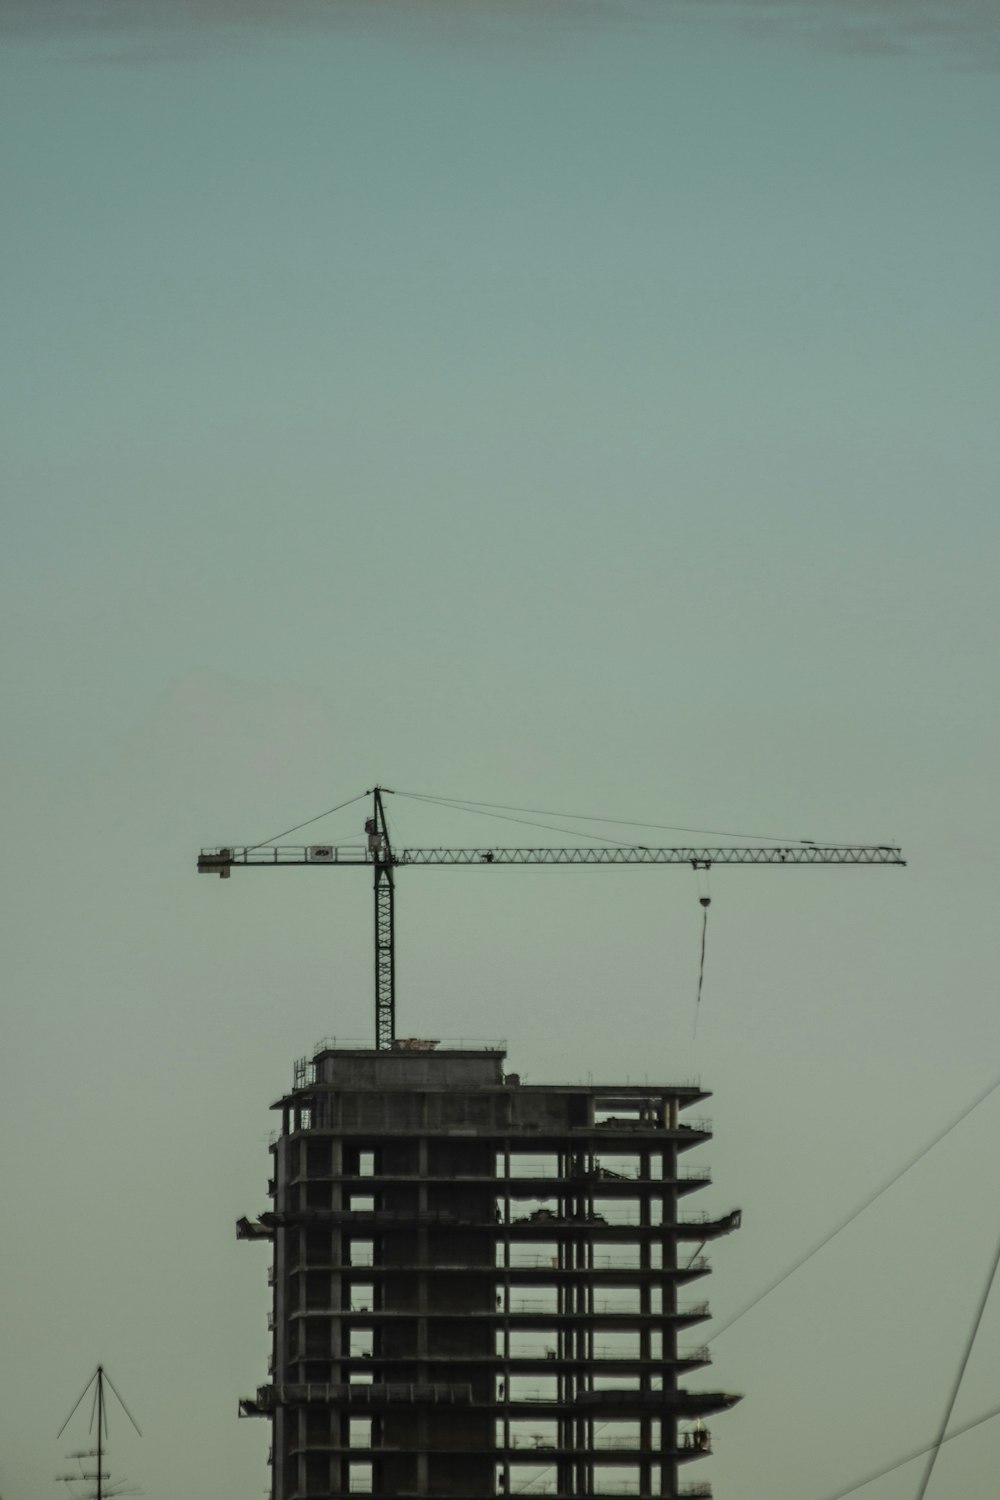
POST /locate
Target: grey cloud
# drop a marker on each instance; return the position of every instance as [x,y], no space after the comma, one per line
[56,18]
[962,31]
[158,30]
[966,30]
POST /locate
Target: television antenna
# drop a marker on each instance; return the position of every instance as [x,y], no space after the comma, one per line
[96,1483]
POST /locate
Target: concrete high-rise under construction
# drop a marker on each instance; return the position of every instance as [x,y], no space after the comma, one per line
[479,1284]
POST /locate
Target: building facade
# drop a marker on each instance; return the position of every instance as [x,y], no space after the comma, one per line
[482,1287]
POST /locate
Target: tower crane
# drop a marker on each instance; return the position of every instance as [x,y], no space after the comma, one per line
[377,854]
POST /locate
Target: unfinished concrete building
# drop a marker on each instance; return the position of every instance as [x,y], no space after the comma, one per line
[480,1286]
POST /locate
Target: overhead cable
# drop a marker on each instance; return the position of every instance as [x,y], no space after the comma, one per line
[956,1384]
[908,1458]
[856,1212]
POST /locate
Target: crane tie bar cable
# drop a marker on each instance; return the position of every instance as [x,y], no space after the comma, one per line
[468,804]
[286,831]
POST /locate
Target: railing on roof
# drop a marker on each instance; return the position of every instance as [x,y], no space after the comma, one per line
[412,1044]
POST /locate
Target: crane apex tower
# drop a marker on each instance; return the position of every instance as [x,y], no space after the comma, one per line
[482,1287]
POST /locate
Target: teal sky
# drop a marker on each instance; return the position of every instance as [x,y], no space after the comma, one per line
[589,407]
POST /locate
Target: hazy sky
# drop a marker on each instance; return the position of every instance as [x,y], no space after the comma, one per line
[589,407]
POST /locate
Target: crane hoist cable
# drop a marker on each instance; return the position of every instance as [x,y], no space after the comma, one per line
[706,902]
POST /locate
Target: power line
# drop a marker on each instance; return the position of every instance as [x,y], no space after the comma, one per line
[857,1212]
[953,1394]
[908,1458]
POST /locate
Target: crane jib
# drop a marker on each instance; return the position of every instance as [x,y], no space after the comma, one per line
[221,860]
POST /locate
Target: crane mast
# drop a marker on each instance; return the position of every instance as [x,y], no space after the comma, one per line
[377,854]
[380,850]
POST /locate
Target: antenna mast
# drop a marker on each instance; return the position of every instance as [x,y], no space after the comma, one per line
[98,1413]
